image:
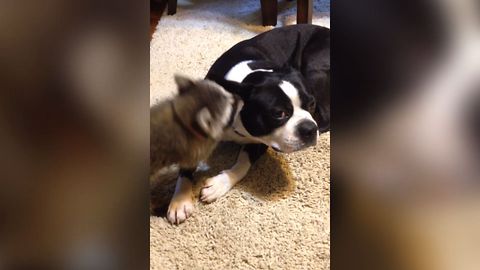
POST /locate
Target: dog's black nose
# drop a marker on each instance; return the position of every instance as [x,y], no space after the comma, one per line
[307,130]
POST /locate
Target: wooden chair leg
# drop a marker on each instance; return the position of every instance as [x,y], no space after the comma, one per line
[269,12]
[304,11]
[172,7]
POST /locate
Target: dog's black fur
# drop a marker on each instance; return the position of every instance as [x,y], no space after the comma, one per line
[298,53]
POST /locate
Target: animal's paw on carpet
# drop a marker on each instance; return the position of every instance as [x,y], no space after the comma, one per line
[180,208]
[215,187]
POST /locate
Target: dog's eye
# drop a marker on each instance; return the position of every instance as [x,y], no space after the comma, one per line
[279,114]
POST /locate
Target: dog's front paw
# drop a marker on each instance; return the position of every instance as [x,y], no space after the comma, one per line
[180,208]
[215,187]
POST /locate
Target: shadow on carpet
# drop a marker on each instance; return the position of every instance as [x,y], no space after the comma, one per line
[268,179]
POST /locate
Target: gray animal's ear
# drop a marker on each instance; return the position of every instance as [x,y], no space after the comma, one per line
[184,83]
[208,124]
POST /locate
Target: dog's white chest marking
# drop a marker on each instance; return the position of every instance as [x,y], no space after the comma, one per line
[240,71]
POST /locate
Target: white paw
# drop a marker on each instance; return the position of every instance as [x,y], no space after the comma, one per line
[180,208]
[215,187]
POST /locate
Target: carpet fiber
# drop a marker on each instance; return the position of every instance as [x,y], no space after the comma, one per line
[278,217]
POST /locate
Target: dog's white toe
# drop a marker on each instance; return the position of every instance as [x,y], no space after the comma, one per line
[215,187]
[180,209]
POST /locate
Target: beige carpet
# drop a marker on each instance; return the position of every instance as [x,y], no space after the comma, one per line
[278,217]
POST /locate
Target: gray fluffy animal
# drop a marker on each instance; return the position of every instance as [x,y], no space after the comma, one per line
[186,129]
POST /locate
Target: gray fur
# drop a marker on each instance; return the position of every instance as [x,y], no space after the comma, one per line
[170,142]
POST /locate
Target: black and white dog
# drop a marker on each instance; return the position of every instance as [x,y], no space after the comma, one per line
[283,79]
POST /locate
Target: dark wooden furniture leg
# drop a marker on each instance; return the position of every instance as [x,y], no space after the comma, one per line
[304,11]
[172,7]
[157,8]
[269,12]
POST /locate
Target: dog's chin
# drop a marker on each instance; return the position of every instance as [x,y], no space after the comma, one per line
[290,148]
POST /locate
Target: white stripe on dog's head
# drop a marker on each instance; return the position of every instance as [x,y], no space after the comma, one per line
[240,71]
[291,92]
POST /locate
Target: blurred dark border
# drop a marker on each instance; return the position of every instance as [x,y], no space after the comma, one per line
[394,204]
[74,105]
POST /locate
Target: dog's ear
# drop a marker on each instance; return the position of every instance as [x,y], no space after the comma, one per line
[208,124]
[240,89]
[184,83]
